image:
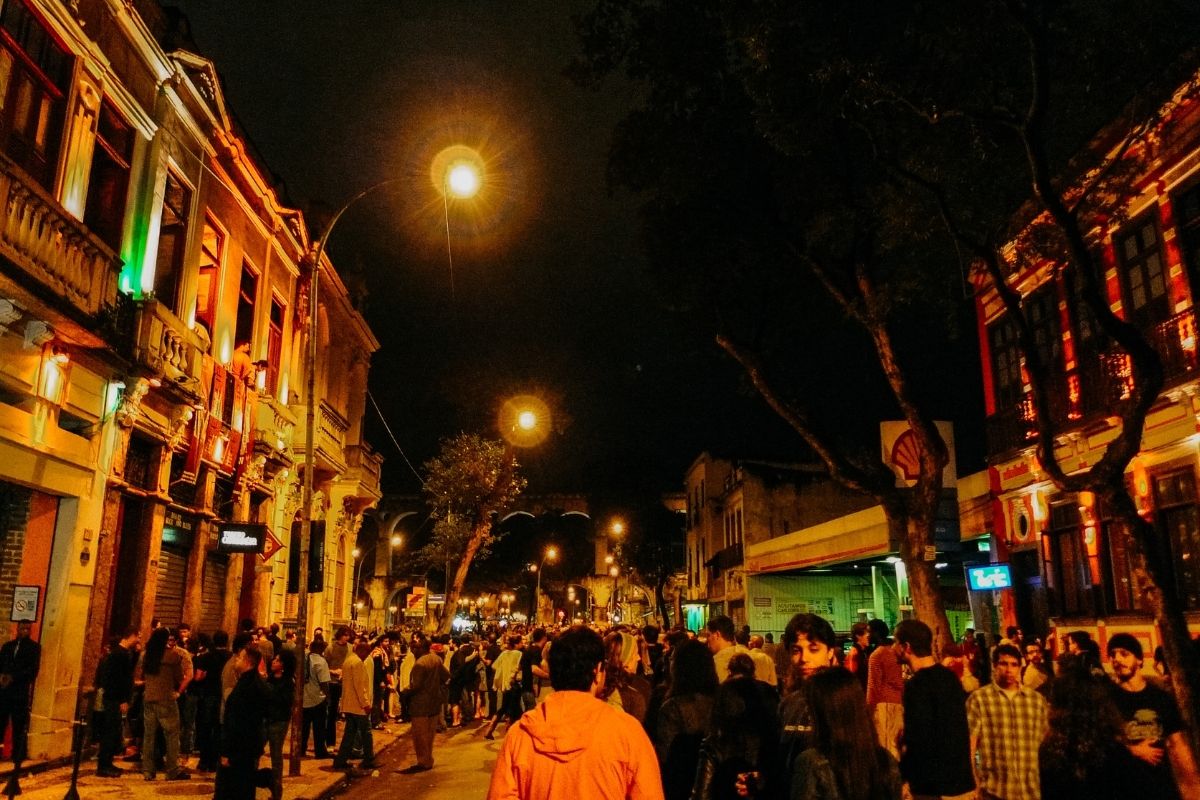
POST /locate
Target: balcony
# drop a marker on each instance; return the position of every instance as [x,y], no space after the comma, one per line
[365,467]
[166,347]
[329,436]
[54,254]
[1101,382]
[273,429]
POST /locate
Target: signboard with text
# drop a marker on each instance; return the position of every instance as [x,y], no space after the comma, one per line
[241,537]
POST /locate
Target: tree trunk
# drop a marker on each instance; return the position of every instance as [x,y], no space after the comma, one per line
[913,532]
[1152,571]
[478,536]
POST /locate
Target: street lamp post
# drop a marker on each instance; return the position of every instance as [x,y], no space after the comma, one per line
[357,555]
[550,554]
[310,387]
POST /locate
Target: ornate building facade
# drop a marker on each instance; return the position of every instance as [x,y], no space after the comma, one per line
[153,320]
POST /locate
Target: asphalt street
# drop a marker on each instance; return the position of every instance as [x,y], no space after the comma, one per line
[463,762]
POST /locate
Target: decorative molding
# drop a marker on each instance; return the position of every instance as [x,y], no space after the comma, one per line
[131,403]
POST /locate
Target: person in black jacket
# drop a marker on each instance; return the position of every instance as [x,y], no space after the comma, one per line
[20,660]
[114,690]
[242,730]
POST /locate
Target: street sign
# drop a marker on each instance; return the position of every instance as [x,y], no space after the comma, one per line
[271,545]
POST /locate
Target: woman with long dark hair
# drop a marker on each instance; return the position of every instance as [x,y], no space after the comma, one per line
[160,671]
[1082,754]
[845,761]
[684,717]
[743,745]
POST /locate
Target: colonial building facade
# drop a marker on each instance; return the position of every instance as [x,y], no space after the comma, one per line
[1070,560]
[153,320]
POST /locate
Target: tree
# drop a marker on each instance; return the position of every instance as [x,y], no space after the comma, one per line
[653,549]
[757,215]
[469,482]
[1007,122]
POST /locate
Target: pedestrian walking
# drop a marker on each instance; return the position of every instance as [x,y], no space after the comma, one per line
[845,761]
[357,698]
[936,756]
[1007,722]
[742,743]
[426,694]
[574,744]
[506,684]
[685,717]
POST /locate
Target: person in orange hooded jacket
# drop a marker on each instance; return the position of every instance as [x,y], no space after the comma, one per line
[574,744]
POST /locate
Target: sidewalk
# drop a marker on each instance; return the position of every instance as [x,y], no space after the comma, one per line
[317,778]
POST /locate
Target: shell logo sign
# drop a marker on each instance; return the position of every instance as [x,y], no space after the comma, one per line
[902,454]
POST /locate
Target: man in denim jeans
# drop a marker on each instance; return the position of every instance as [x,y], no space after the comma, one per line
[357,694]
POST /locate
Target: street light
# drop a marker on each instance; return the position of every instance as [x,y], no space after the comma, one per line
[356,553]
[310,424]
[550,554]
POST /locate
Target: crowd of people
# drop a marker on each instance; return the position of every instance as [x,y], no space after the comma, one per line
[682,715]
[724,714]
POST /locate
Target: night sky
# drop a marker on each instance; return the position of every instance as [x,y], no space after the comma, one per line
[550,290]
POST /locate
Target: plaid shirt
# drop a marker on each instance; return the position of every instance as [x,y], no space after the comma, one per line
[1007,729]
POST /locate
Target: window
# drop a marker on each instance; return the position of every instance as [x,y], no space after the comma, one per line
[275,345]
[247,295]
[108,183]
[1187,215]
[172,240]
[1008,387]
[35,79]
[1066,567]
[1143,278]
[1179,517]
[212,251]
[738,532]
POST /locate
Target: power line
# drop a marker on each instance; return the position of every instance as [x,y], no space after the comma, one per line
[399,449]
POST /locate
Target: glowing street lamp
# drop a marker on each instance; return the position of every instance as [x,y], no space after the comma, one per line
[550,555]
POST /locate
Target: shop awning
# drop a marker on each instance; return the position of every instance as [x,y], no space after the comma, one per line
[863,534]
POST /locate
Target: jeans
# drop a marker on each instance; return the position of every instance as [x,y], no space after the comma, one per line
[188,705]
[162,714]
[276,733]
[358,727]
[314,719]
[331,712]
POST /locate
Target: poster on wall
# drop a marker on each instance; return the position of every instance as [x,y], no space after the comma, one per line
[25,603]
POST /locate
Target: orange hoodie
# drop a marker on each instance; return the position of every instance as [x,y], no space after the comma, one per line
[574,745]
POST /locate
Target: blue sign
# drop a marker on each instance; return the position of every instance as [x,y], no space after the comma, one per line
[989,578]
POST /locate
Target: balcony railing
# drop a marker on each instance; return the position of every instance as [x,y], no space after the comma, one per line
[366,466]
[53,249]
[330,437]
[1099,385]
[164,345]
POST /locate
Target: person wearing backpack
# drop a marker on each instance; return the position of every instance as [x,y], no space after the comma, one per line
[316,690]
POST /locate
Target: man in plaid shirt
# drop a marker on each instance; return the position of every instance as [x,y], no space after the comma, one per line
[1007,722]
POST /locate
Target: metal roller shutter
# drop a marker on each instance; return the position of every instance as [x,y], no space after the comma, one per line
[212,598]
[172,581]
